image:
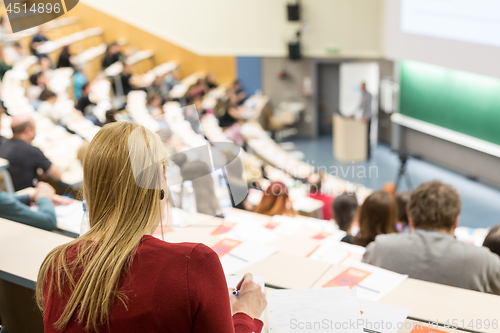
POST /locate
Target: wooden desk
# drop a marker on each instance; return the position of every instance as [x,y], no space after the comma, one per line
[180,90]
[24,249]
[350,140]
[435,302]
[283,270]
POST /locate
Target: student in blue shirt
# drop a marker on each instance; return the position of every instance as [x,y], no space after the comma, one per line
[15,207]
[79,79]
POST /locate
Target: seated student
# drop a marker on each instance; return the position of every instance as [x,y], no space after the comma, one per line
[193,117]
[15,207]
[24,159]
[47,108]
[229,117]
[238,93]
[154,104]
[46,66]
[117,277]
[378,215]
[431,252]
[233,133]
[125,79]
[38,39]
[84,100]
[172,79]
[64,58]
[79,79]
[198,104]
[492,240]
[110,117]
[275,201]
[38,83]
[315,192]
[158,87]
[5,65]
[13,53]
[112,55]
[210,81]
[198,90]
[390,187]
[402,201]
[155,108]
[345,208]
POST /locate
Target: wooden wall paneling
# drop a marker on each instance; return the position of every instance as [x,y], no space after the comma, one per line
[222,66]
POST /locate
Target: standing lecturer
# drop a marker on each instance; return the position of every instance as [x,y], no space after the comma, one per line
[364,113]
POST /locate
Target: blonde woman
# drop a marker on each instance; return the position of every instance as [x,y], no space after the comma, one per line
[119,278]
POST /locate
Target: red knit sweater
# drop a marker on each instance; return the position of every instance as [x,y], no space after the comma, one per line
[170,288]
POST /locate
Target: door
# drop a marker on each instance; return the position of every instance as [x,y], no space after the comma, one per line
[328,96]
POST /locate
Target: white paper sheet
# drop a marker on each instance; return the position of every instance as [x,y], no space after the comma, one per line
[381,317]
[287,225]
[251,232]
[334,252]
[69,217]
[332,310]
[378,284]
[244,255]
[321,225]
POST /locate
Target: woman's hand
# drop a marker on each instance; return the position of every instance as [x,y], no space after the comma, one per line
[250,300]
[43,190]
[58,200]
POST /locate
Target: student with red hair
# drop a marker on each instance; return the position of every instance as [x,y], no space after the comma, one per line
[275,201]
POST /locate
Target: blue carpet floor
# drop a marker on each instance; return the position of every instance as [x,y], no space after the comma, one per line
[480,203]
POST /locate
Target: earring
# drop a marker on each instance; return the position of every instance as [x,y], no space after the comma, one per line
[162,194]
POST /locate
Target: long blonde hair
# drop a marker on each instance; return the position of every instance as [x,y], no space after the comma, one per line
[120,211]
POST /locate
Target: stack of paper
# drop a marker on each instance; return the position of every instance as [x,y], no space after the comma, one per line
[370,282]
[381,317]
[313,310]
[69,217]
[335,252]
[251,232]
[235,255]
[330,310]
[285,225]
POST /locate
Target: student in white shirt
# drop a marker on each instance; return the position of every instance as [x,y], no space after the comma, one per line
[47,107]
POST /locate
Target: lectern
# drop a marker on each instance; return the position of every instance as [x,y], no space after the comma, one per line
[349,139]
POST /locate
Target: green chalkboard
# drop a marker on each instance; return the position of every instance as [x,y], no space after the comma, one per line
[464,102]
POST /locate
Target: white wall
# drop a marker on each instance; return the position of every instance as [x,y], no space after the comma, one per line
[470,57]
[256,27]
